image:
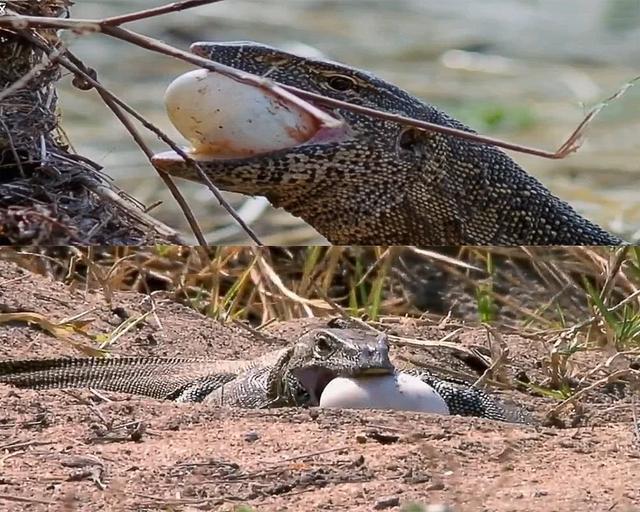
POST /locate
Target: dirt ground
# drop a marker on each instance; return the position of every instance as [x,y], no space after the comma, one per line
[75,451]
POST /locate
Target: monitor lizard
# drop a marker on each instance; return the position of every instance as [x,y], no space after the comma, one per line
[381,182]
[288,377]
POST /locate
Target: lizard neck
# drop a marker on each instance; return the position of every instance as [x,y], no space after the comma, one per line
[468,197]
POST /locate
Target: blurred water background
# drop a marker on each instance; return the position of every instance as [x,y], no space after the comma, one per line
[523,70]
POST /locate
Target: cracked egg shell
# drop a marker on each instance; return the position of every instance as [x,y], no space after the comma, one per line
[222,118]
[399,391]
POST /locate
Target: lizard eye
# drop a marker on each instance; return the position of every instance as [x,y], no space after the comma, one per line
[323,345]
[341,83]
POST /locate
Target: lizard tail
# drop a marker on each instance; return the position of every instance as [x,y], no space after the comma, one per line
[154,377]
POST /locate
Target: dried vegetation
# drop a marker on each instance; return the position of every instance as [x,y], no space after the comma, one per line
[581,304]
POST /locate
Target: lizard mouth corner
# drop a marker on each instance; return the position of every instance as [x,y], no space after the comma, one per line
[314,380]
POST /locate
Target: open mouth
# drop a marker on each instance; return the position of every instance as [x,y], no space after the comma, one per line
[233,121]
[166,160]
[315,380]
[224,120]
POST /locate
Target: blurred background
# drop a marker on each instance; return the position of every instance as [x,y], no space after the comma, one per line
[523,70]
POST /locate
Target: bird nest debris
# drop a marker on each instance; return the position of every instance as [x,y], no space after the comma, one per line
[49,194]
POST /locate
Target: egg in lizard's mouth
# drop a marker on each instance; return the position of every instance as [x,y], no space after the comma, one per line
[226,120]
[315,380]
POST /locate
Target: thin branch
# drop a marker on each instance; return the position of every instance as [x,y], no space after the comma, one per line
[149,43]
[571,145]
[175,192]
[115,104]
[619,258]
[156,11]
[20,21]
[26,499]
[284,91]
[265,84]
[553,412]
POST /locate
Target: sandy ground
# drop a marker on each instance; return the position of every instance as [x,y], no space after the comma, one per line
[75,451]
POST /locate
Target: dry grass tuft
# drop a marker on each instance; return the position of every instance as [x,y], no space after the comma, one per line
[582,304]
[593,291]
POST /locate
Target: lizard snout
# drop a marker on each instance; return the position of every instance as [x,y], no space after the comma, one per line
[375,358]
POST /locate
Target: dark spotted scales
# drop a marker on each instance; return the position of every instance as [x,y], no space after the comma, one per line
[386,183]
[293,376]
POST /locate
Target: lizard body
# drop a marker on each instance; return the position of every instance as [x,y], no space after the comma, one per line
[382,182]
[292,376]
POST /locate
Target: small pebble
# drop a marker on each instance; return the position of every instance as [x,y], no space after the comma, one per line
[361,438]
[386,502]
[358,461]
[251,436]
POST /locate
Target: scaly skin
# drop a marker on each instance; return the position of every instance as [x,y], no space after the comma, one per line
[280,378]
[289,377]
[299,374]
[386,183]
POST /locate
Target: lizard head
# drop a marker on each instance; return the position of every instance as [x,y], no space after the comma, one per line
[346,184]
[381,182]
[321,355]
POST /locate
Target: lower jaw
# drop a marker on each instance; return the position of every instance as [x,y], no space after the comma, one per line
[170,159]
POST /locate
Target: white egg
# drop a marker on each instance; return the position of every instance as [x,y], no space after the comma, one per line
[225,118]
[399,391]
